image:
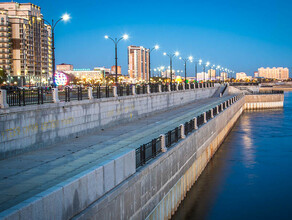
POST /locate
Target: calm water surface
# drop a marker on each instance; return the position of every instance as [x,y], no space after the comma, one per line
[250,177]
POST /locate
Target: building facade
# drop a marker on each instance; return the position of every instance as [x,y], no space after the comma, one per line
[64,67]
[25,42]
[119,70]
[279,73]
[242,76]
[138,63]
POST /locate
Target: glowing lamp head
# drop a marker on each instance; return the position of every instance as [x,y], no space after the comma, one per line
[176,53]
[162,67]
[156,47]
[125,37]
[180,58]
[191,58]
[208,63]
[66,17]
[200,60]
[218,67]
[106,37]
[164,54]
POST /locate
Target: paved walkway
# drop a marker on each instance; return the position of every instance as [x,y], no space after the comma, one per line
[26,175]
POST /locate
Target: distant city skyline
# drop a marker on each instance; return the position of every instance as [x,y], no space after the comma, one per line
[235,35]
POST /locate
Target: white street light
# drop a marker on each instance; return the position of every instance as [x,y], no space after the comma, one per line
[125,36]
[66,17]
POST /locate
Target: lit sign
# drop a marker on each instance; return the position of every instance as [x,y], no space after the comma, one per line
[60,79]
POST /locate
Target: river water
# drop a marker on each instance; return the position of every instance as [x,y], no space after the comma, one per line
[250,176]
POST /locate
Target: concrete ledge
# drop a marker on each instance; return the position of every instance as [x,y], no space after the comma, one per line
[70,197]
[35,126]
[138,196]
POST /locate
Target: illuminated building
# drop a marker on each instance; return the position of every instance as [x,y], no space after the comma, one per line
[119,68]
[138,63]
[242,76]
[25,42]
[212,73]
[274,73]
[64,67]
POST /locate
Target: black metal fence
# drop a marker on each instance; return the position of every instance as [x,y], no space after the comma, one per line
[150,150]
[22,97]
[102,92]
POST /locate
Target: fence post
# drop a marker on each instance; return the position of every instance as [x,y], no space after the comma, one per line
[176,87]
[169,88]
[90,95]
[212,113]
[115,91]
[159,88]
[182,131]
[222,108]
[162,140]
[55,95]
[148,89]
[184,87]
[195,123]
[217,107]
[133,90]
[205,118]
[3,99]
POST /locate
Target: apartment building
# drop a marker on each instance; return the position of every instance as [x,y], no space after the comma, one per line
[138,63]
[25,43]
[274,73]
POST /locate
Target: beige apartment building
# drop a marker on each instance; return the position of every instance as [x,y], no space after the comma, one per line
[243,76]
[138,63]
[25,42]
[274,73]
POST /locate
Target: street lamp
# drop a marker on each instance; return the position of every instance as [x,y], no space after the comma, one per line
[156,47]
[190,58]
[205,65]
[196,67]
[65,17]
[218,68]
[171,55]
[116,41]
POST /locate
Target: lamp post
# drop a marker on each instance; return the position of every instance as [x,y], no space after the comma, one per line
[116,41]
[156,47]
[171,55]
[213,68]
[204,69]
[53,24]
[190,58]
[196,67]
[218,68]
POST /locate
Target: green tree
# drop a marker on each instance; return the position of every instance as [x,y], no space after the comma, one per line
[3,76]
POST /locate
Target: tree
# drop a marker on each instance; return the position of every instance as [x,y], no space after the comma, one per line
[3,76]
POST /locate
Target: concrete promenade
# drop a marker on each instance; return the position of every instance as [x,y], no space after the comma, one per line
[26,175]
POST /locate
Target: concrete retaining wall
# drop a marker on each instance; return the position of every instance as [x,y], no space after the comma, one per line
[70,197]
[115,190]
[24,128]
[264,101]
[156,190]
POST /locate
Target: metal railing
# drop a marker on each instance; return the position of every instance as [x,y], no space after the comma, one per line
[150,150]
[23,96]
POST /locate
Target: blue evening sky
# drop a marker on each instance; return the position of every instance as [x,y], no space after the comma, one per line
[239,35]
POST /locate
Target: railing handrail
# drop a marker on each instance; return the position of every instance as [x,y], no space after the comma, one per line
[69,93]
[174,135]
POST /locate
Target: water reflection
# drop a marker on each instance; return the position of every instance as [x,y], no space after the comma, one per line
[250,175]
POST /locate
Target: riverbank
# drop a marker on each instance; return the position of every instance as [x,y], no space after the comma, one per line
[249,177]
